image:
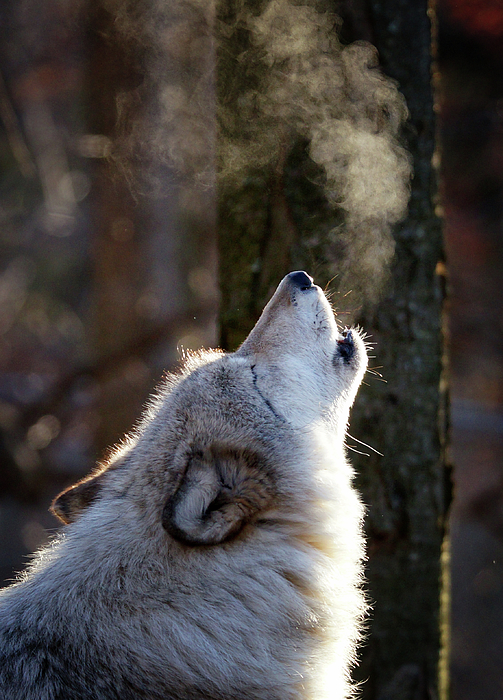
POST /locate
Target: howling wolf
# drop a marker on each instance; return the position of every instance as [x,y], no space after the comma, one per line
[218,555]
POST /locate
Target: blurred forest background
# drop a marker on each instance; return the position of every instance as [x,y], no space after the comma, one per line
[105,276]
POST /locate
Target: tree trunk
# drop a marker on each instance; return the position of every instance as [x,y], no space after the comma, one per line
[153,246]
[118,264]
[407,491]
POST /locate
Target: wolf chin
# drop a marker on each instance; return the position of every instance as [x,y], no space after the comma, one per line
[218,555]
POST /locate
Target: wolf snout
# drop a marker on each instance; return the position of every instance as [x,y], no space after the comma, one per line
[301,280]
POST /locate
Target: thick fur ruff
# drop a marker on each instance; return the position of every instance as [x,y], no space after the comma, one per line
[218,554]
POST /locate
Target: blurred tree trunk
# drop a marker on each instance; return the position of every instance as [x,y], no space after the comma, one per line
[153,246]
[408,490]
[116,251]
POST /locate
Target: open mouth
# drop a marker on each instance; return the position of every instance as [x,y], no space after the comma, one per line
[346,346]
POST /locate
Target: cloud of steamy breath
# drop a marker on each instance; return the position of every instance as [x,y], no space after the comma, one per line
[283,75]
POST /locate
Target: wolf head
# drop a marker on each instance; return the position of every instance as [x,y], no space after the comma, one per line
[214,449]
[306,366]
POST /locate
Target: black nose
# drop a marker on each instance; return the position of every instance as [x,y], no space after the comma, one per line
[300,280]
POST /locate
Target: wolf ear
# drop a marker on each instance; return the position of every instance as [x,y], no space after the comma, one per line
[70,503]
[222,489]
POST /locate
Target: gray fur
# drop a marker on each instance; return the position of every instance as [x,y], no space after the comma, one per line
[218,555]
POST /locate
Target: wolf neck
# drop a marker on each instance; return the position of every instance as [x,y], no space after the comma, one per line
[297,395]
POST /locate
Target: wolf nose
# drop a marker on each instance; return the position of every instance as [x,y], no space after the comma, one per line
[300,280]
